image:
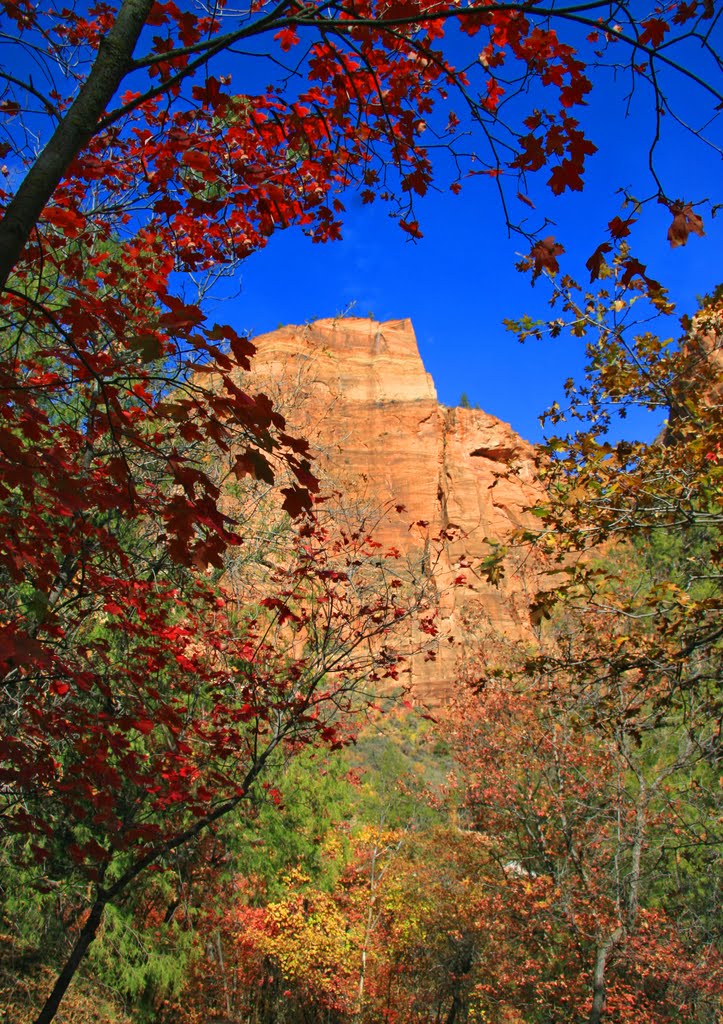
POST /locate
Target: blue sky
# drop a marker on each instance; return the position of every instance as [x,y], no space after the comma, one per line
[459,282]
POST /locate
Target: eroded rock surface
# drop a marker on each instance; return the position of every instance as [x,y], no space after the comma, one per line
[358,390]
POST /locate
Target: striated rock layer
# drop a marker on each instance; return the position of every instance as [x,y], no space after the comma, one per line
[358,390]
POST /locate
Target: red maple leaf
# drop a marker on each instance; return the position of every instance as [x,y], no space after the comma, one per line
[543,256]
[70,222]
[685,222]
[565,176]
[596,261]
[653,33]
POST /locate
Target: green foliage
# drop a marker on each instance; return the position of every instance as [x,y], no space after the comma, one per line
[32,916]
[402,766]
[140,962]
[303,822]
[297,824]
[136,959]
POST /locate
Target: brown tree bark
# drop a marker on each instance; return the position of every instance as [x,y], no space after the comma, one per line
[599,979]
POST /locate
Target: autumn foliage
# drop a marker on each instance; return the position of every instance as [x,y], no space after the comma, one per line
[179,612]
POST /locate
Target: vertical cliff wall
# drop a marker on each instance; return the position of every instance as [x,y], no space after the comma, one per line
[357,389]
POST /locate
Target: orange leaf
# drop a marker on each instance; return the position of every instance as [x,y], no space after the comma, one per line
[685,221]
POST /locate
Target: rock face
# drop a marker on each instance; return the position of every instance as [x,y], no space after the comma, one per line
[358,391]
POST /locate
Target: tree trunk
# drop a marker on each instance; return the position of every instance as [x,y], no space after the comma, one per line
[598,978]
[110,67]
[224,976]
[87,934]
[454,1009]
[109,895]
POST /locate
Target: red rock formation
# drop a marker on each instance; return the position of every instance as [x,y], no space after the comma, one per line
[358,390]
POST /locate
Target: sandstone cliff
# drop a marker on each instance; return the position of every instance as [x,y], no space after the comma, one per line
[358,390]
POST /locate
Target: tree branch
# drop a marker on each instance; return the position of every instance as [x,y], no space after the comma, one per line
[75,130]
